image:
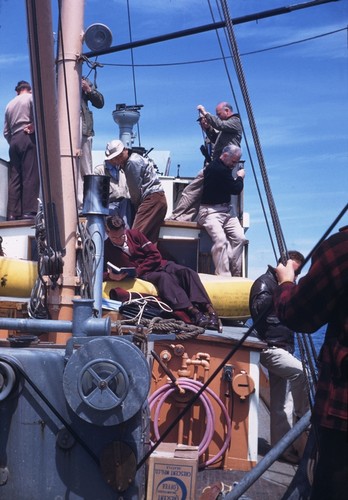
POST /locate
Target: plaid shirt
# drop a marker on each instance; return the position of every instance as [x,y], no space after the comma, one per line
[319,298]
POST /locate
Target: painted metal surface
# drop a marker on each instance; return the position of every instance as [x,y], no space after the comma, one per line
[48,448]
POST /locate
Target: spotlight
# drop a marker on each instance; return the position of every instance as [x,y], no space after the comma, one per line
[98,37]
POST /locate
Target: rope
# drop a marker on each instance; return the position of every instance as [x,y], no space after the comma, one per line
[61,39]
[144,301]
[86,260]
[49,264]
[159,325]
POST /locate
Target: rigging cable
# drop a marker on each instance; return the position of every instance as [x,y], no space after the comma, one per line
[133,68]
[244,134]
[273,211]
[17,366]
[54,250]
[240,75]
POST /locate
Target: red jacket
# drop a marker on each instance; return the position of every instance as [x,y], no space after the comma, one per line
[144,255]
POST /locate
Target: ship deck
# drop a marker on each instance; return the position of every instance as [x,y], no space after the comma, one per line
[271,485]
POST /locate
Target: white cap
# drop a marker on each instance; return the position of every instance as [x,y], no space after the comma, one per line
[113,148]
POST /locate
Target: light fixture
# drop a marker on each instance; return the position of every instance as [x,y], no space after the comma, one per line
[98,37]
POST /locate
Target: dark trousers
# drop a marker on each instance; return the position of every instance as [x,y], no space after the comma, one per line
[178,286]
[24,182]
[331,474]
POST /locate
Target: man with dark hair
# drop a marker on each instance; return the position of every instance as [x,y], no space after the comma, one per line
[289,399]
[321,298]
[179,286]
[89,93]
[19,131]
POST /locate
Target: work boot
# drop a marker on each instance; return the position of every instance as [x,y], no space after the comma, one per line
[214,322]
[197,317]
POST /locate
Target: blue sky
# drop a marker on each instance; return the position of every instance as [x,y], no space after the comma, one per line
[298,92]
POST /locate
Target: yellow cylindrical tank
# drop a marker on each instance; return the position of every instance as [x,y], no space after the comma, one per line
[229,295]
[17,277]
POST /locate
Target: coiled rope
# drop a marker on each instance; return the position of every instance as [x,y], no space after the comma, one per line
[156,324]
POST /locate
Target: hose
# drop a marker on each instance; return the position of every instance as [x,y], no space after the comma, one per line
[158,398]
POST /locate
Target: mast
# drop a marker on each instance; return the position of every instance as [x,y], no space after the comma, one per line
[69,68]
[58,139]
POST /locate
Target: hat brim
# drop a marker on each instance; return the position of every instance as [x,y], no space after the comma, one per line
[113,155]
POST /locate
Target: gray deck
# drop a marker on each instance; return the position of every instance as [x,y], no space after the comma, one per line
[270,486]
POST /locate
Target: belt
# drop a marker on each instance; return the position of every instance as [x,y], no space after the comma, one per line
[215,205]
[278,346]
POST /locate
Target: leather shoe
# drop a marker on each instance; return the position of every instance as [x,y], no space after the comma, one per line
[213,323]
[27,216]
[11,217]
[291,457]
[201,320]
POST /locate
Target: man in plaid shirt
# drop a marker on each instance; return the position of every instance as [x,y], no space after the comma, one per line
[320,298]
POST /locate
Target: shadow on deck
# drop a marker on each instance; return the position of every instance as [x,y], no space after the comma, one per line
[272,485]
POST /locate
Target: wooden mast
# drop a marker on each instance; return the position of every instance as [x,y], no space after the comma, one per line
[57,117]
[69,102]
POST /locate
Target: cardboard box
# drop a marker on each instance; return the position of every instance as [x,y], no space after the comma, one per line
[172,472]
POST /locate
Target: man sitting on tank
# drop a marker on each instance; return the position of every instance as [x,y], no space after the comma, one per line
[179,286]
